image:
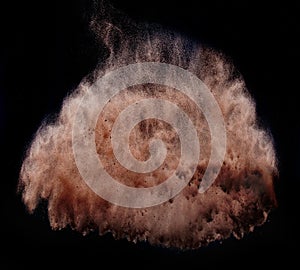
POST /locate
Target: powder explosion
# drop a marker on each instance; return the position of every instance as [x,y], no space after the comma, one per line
[239,199]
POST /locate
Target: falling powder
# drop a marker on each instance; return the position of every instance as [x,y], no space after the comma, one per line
[239,199]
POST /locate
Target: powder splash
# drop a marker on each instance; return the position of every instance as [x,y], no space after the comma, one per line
[239,199]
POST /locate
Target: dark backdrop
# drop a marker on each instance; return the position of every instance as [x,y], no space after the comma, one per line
[46,49]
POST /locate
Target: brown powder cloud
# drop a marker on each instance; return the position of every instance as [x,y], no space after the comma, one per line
[240,198]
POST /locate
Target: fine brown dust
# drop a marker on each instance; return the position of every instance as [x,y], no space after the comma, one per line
[240,198]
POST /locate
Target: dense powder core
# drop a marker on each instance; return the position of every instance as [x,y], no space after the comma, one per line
[239,199]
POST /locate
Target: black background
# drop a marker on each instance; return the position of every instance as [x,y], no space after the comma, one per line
[46,49]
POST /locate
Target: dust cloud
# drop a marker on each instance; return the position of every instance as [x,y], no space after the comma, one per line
[240,198]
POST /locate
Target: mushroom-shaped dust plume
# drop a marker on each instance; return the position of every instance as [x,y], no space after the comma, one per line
[239,198]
